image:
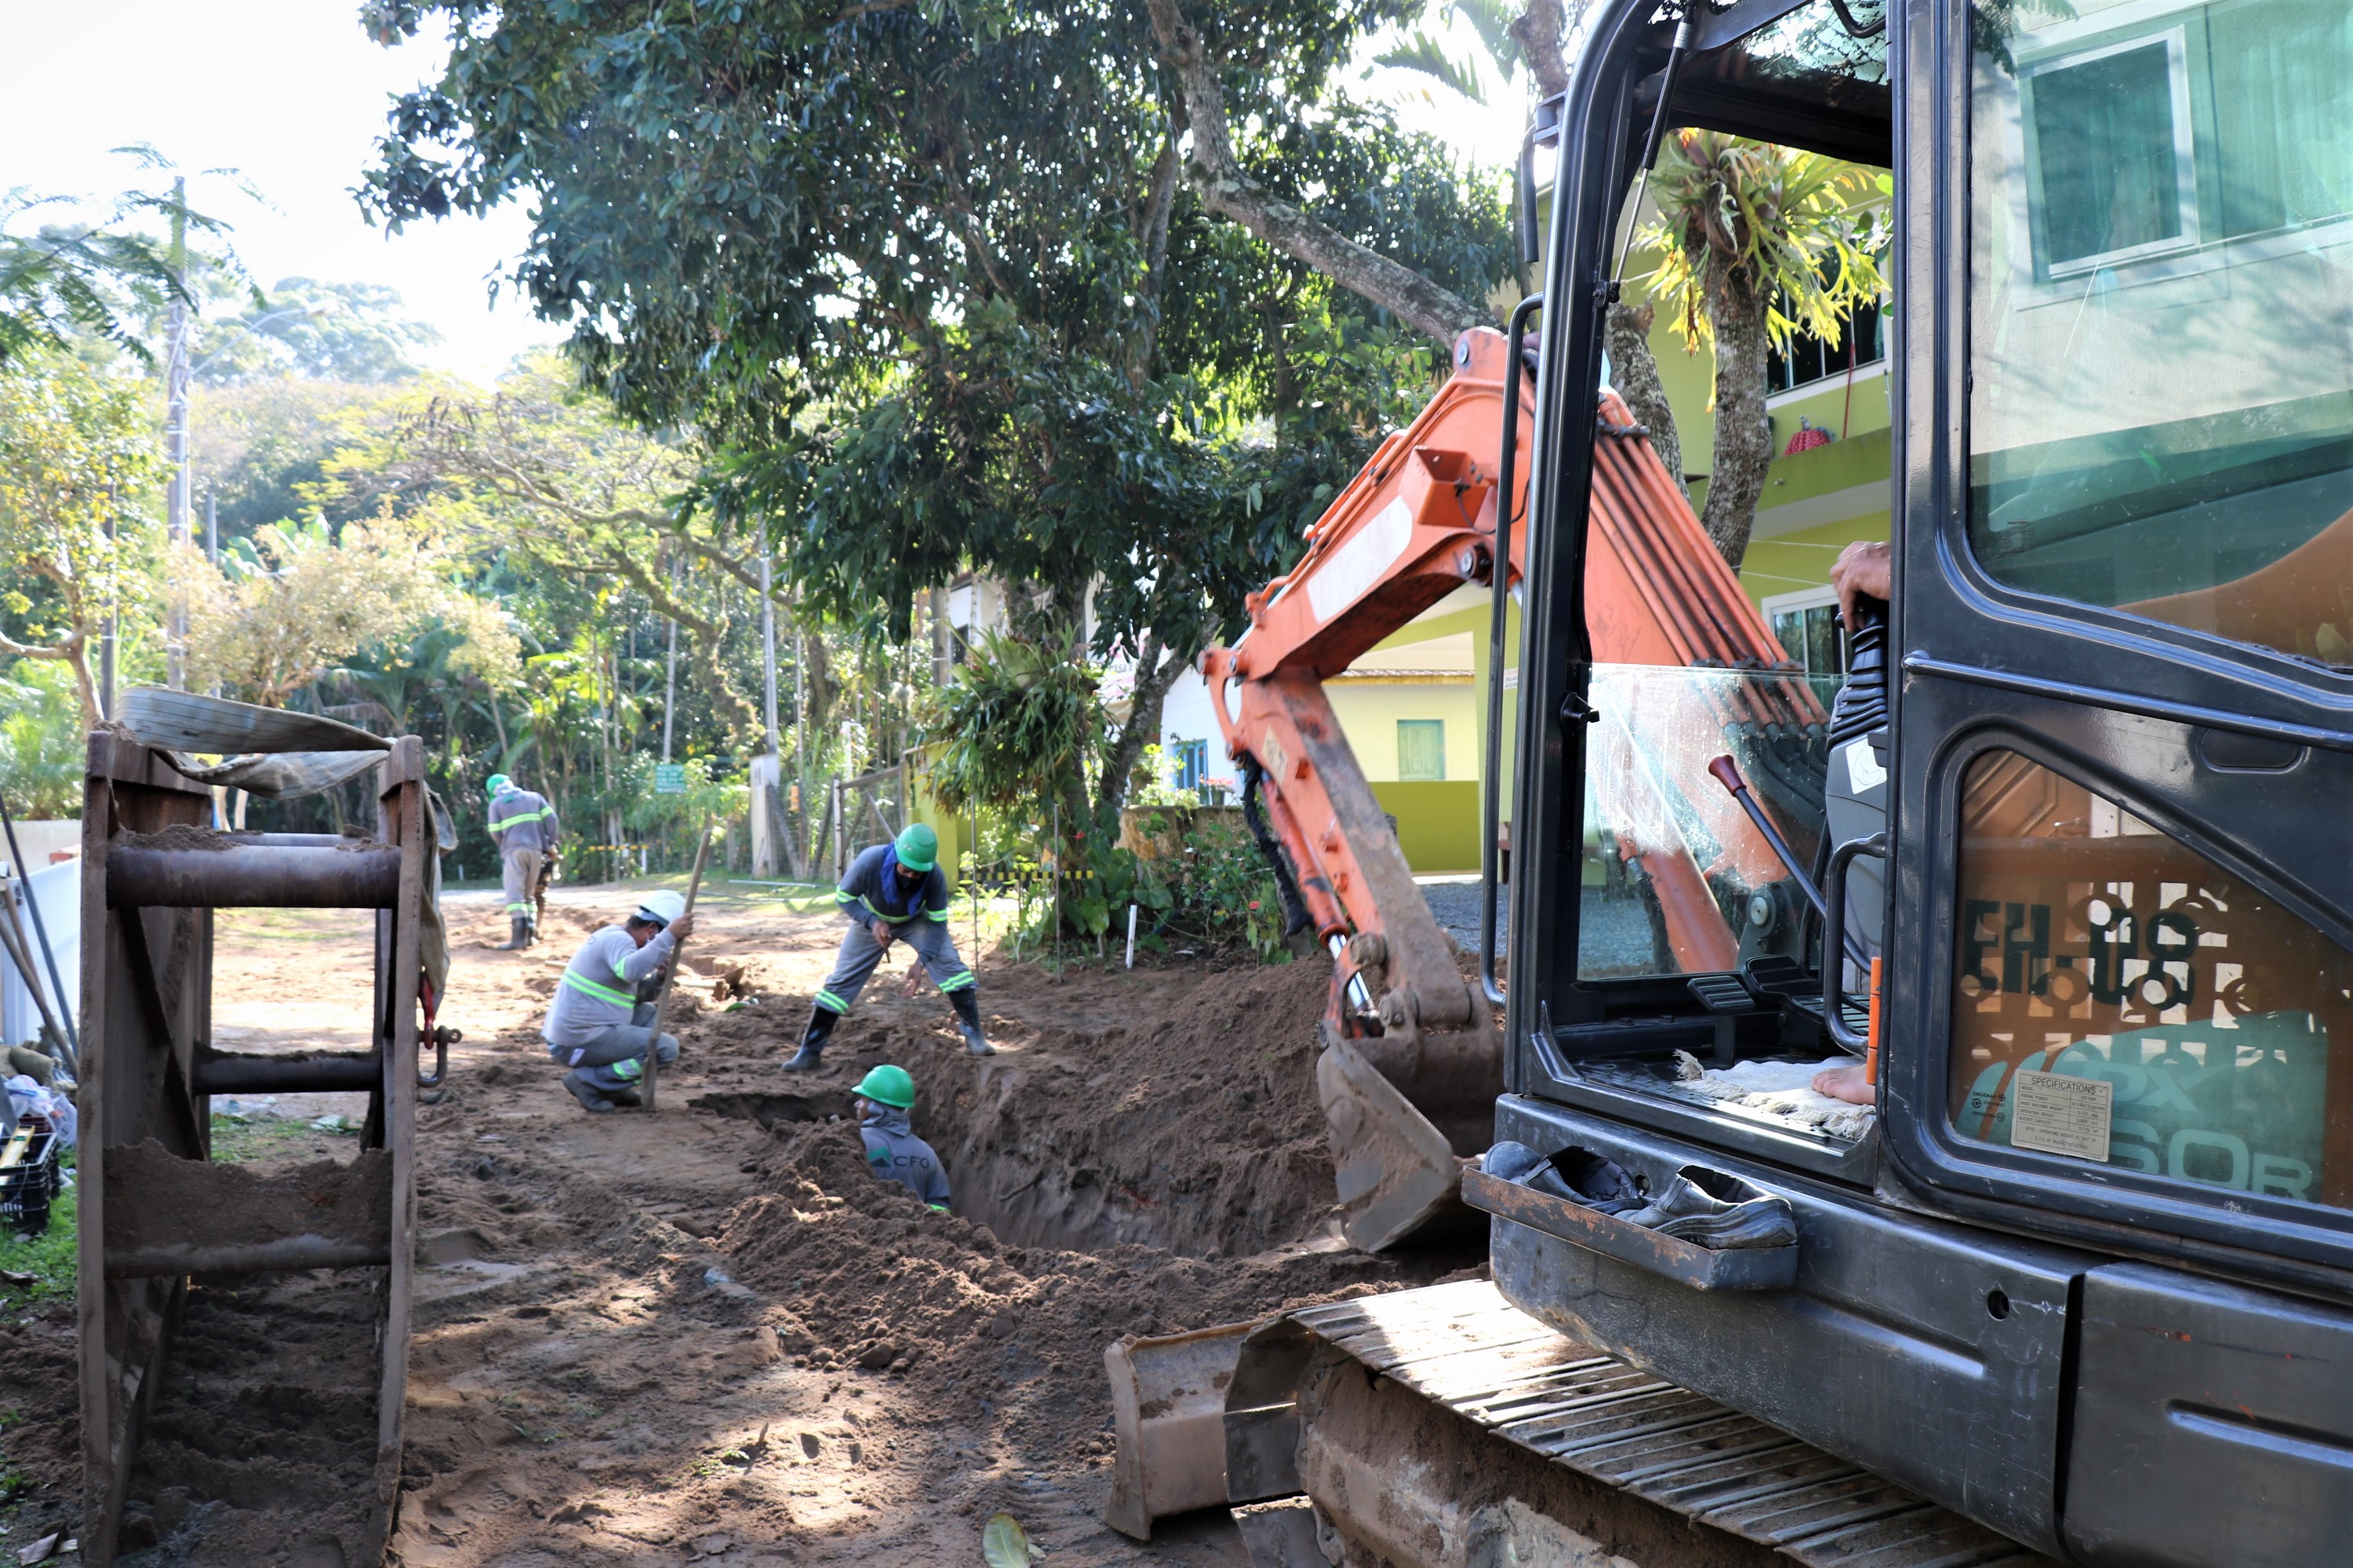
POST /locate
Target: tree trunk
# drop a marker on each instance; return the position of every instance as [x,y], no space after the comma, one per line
[1744,434]
[1211,169]
[706,663]
[1635,373]
[1156,670]
[1539,30]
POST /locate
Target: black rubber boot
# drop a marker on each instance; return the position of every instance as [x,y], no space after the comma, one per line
[968,1012]
[530,929]
[517,936]
[811,1055]
[583,1091]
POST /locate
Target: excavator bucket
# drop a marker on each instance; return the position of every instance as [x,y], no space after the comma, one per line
[1396,1172]
[1168,1414]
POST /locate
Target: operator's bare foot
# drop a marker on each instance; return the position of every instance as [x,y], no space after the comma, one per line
[1845,1083]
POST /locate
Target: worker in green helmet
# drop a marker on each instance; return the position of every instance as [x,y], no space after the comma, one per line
[523,826]
[894,891]
[885,1095]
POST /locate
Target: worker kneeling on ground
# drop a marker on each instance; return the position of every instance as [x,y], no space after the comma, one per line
[599,1022]
[523,826]
[884,1097]
[893,890]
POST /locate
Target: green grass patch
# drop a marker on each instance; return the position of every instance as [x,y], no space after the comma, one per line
[49,1257]
[261,1139]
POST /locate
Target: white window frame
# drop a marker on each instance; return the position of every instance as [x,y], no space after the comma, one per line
[2185,154]
[1794,602]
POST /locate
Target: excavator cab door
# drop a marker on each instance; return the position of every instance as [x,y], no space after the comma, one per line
[2118,1013]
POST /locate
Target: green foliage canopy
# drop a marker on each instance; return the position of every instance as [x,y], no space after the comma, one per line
[929,275]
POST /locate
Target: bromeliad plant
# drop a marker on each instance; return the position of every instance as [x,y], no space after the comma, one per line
[1756,243]
[1015,732]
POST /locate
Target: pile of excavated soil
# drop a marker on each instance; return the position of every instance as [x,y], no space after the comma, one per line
[868,1278]
[1173,1110]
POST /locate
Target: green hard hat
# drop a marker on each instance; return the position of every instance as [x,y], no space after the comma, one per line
[919,848]
[498,782]
[887,1085]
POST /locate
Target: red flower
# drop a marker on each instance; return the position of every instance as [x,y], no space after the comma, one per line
[1253,903]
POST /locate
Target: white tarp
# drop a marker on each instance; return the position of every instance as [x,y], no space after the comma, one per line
[57,892]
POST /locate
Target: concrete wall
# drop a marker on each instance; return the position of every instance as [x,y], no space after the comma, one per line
[1437,823]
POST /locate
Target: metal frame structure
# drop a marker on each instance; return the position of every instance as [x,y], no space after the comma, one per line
[155,1209]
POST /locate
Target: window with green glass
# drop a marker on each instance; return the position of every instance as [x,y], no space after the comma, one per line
[1421,749]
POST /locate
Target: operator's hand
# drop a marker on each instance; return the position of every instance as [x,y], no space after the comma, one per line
[883,933]
[681,928]
[914,978]
[1866,569]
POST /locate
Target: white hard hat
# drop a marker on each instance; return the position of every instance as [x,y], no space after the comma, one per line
[661,908]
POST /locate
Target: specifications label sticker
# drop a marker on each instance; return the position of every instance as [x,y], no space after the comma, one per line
[2057,1114]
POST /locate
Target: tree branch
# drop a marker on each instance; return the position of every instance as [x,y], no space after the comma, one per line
[1225,189]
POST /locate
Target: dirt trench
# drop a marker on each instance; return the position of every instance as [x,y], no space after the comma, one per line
[1189,1128]
[711,1335]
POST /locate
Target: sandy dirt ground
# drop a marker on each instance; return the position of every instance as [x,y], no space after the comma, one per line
[708,1335]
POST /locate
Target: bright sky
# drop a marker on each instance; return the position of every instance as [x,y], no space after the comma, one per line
[292,94]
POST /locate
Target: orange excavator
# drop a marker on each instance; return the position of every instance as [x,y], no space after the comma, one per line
[1412,1060]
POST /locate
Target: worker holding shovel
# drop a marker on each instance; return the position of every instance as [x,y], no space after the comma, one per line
[893,891]
[598,1026]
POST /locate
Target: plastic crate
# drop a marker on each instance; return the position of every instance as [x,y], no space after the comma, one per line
[28,1176]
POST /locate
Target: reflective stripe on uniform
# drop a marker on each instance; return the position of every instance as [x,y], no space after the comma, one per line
[581,983]
[938,914]
[517,908]
[628,1069]
[880,915]
[831,1004]
[956,982]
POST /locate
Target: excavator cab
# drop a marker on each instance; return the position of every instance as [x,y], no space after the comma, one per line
[2083,1270]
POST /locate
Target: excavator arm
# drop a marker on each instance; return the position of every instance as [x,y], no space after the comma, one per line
[1413,1060]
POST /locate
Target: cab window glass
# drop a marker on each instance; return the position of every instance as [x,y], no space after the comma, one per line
[2161,376]
[1676,880]
[2198,1023]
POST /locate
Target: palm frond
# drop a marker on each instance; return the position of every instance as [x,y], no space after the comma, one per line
[1425,55]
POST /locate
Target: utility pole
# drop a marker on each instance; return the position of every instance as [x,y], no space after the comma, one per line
[768,645]
[800,733]
[775,825]
[113,616]
[175,435]
[669,670]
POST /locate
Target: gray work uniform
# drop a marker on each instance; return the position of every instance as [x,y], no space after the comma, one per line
[523,824]
[596,1022]
[898,1156]
[917,915]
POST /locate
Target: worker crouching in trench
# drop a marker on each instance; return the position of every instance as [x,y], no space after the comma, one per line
[893,891]
[600,1022]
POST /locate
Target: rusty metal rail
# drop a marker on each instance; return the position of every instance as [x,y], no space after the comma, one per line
[235,875]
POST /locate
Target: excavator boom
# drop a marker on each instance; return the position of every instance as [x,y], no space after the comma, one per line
[1413,1062]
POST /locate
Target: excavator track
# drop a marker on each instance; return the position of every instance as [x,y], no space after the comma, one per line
[1421,1424]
